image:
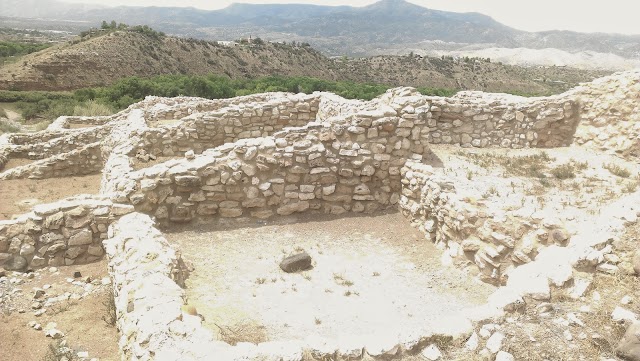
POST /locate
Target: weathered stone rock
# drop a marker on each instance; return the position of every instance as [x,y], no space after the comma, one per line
[38,261]
[95,250]
[296,263]
[504,356]
[292,208]
[83,237]
[73,252]
[559,236]
[494,343]
[16,263]
[471,245]
[629,346]
[188,181]
[54,221]
[50,237]
[230,212]
[636,262]
[27,250]
[181,214]
[76,222]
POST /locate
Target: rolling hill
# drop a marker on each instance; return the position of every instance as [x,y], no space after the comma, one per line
[108,56]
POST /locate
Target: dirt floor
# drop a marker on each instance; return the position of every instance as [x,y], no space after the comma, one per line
[371,274]
[20,195]
[16,162]
[79,310]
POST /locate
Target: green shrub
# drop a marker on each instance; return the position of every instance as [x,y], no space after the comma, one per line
[92,108]
[8,128]
[124,92]
[13,48]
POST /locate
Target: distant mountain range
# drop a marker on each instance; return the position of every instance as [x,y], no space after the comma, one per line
[388,26]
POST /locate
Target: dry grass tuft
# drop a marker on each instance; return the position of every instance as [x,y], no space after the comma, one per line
[617,170]
[245,332]
[109,302]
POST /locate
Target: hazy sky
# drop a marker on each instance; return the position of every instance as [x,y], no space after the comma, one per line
[613,16]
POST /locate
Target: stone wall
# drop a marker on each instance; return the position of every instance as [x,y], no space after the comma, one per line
[473,234]
[144,269]
[68,122]
[51,145]
[208,129]
[347,165]
[82,161]
[610,113]
[62,233]
[476,119]
[343,163]
[158,108]
[332,105]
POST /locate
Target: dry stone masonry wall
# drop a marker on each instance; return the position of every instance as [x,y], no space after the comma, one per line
[610,113]
[209,129]
[157,108]
[468,231]
[62,233]
[57,150]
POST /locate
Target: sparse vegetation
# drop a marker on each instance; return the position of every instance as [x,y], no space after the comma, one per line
[630,187]
[564,171]
[107,28]
[109,303]
[58,351]
[8,128]
[233,334]
[617,170]
[532,166]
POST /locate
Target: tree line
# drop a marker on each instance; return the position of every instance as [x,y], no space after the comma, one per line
[127,91]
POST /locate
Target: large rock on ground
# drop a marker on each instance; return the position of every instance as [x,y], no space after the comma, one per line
[629,346]
[16,263]
[636,262]
[296,263]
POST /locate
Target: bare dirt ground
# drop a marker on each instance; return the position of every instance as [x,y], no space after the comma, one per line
[20,195]
[371,274]
[78,308]
[16,162]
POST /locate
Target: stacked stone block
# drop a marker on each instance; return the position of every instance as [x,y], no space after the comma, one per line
[62,233]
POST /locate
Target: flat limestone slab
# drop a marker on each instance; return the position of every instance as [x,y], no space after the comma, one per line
[372,275]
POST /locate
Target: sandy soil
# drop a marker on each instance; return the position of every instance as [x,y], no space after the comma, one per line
[81,320]
[16,162]
[20,195]
[371,274]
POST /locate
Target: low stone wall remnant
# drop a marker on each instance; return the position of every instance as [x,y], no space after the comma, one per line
[67,232]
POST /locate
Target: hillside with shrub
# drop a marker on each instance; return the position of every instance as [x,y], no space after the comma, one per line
[102,56]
